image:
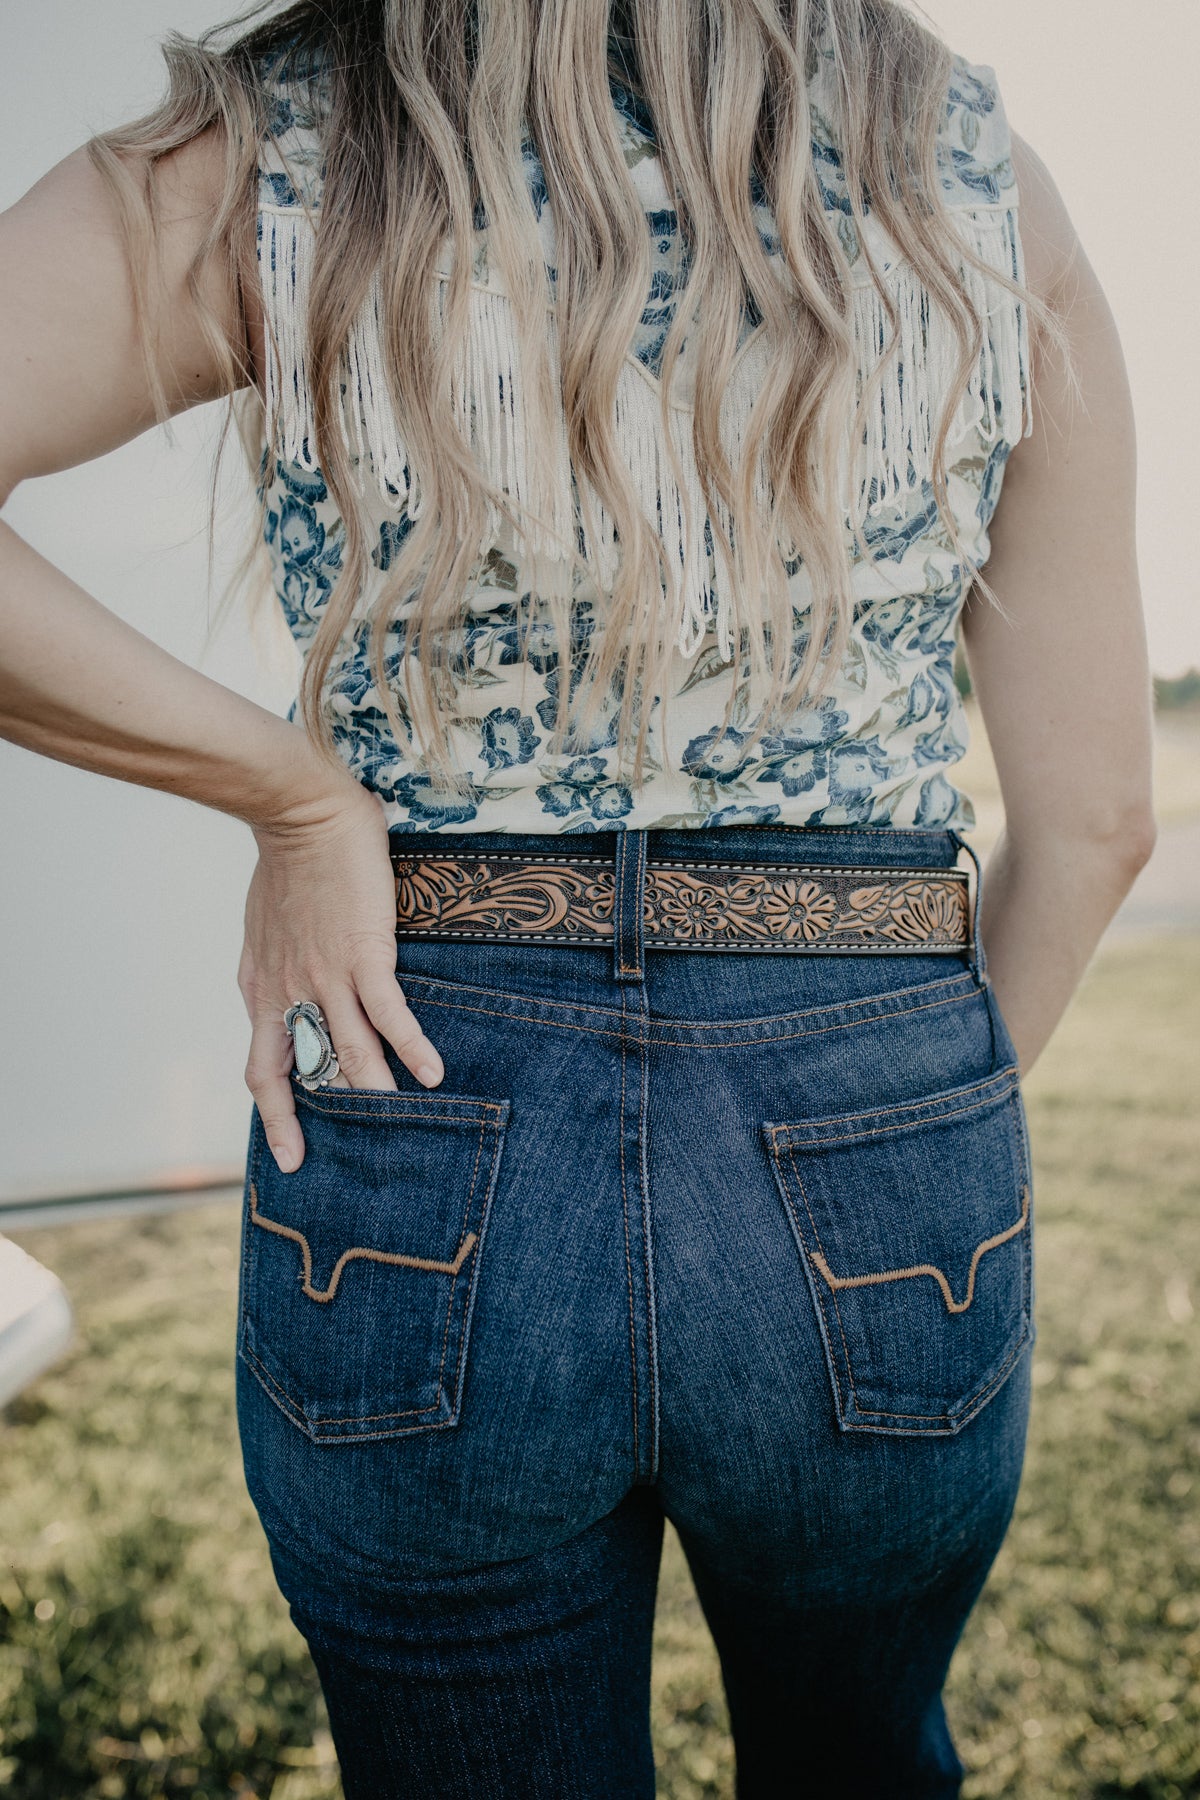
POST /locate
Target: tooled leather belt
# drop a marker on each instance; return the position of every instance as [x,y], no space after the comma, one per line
[686,905]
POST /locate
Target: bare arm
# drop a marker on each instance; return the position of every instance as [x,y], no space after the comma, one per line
[80,685]
[1063,681]
[76,682]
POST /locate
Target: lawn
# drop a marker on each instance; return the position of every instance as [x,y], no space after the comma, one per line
[145,1653]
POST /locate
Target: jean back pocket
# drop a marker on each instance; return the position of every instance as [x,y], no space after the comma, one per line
[914,1228]
[359,1269]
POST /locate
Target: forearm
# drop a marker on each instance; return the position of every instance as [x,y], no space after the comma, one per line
[80,685]
[1045,908]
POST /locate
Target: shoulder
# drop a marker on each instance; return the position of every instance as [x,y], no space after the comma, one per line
[975,140]
[1048,235]
[984,162]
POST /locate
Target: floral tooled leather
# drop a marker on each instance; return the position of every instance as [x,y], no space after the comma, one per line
[571,901]
[485,897]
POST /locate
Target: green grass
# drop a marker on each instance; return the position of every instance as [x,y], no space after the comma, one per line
[145,1652]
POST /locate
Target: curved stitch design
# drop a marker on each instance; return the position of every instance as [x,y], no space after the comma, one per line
[355,1254]
[962,984]
[837,1282]
[686,1043]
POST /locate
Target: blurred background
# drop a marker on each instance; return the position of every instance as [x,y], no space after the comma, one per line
[143,1649]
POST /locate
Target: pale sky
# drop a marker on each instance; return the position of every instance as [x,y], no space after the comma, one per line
[121,908]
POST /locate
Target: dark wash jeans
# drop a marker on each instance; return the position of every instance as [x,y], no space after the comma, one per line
[613,1274]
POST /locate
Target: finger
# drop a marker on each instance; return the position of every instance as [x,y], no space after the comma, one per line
[267,1077]
[359,1052]
[389,1012]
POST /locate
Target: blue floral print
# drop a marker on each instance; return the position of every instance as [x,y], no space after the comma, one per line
[392,534]
[582,787]
[712,760]
[279,187]
[611,802]
[970,92]
[990,481]
[937,804]
[602,731]
[891,536]
[669,266]
[507,737]
[428,811]
[941,745]
[797,771]
[301,534]
[923,698]
[879,749]
[744,815]
[305,550]
[541,647]
[560,798]
[855,771]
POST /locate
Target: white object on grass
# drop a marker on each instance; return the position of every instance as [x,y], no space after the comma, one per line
[35,1319]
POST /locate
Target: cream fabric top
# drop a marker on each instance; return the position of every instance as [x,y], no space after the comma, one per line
[880,749]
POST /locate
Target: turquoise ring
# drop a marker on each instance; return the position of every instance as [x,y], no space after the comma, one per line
[316,1058]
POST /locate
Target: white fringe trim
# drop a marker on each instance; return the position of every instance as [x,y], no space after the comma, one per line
[902,423]
[487,402]
[894,458]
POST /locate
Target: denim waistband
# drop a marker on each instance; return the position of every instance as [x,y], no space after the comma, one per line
[851,845]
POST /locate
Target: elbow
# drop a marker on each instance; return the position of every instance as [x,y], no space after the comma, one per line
[1125,836]
[1115,838]
[1139,838]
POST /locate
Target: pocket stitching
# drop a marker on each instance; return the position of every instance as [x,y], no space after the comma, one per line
[357,1252]
[441,1392]
[952,1421]
[820,1303]
[386,1095]
[837,1282]
[295,1410]
[1004,1083]
[973,1403]
[287,1400]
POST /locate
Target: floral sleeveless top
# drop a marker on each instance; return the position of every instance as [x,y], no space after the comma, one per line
[881,747]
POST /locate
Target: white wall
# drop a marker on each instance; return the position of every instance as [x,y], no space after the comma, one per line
[123,1032]
[120,908]
[1105,92]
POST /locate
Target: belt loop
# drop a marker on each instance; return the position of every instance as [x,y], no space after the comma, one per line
[629,887]
[978,961]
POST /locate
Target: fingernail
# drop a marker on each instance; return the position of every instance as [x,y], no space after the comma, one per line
[429,1073]
[286,1157]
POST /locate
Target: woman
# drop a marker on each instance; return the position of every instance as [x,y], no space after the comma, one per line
[651,1144]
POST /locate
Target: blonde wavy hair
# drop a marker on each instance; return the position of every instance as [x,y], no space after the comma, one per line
[429,104]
